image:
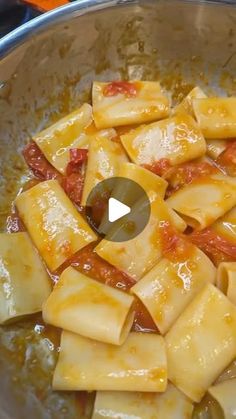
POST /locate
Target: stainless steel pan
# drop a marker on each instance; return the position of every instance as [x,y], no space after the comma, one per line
[46,70]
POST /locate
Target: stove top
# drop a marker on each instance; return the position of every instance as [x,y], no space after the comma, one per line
[14,17]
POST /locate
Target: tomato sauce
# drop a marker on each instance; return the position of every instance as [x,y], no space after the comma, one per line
[89,263]
[142,320]
[122,87]
[186,173]
[215,246]
[227,159]
[175,246]
[125,129]
[84,399]
[160,167]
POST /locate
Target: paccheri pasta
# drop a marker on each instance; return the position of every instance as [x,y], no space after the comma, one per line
[121,103]
[25,284]
[148,322]
[56,228]
[205,199]
[89,308]
[170,286]
[177,139]
[104,160]
[197,348]
[70,132]
[137,365]
[171,404]
[224,393]
[226,279]
[216,116]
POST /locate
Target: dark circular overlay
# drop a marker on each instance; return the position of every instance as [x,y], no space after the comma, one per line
[127,192]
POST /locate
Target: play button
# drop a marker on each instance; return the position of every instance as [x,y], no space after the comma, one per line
[118,209]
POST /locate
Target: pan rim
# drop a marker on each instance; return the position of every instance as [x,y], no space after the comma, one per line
[80,7]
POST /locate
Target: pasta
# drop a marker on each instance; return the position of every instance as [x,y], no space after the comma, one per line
[177,139]
[138,365]
[146,306]
[84,306]
[226,280]
[168,405]
[176,220]
[170,286]
[226,226]
[224,393]
[205,200]
[69,132]
[143,177]
[197,350]
[54,224]
[186,106]
[125,103]
[215,148]
[24,282]
[216,116]
[104,159]
[137,256]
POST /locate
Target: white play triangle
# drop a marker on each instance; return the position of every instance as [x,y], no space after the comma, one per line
[117,210]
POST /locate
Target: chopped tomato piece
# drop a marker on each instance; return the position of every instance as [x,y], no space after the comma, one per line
[39,165]
[123,87]
[73,186]
[175,246]
[43,170]
[216,247]
[73,182]
[78,156]
[124,129]
[160,167]
[227,159]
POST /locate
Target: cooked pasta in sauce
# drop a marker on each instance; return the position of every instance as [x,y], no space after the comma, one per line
[149,324]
